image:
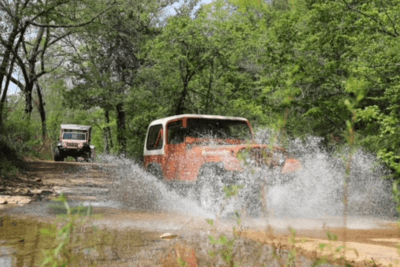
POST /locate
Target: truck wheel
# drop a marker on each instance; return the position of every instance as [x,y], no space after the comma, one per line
[57,155]
[87,157]
[209,191]
[156,171]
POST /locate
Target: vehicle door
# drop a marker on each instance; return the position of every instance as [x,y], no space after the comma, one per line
[154,147]
[174,150]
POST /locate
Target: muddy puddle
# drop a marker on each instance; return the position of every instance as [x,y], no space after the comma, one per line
[111,236]
[29,241]
[116,236]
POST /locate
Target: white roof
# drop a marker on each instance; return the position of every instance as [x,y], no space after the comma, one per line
[75,127]
[167,119]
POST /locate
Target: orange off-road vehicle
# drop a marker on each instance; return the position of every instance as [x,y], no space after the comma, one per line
[204,153]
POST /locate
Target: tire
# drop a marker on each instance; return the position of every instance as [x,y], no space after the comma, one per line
[87,157]
[57,155]
[156,171]
[209,189]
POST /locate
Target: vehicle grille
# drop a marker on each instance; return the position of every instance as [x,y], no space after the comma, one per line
[72,145]
[260,157]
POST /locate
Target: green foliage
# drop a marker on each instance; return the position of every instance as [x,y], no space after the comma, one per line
[331,236]
[66,237]
[226,250]
[224,245]
[232,190]
[291,63]
[335,252]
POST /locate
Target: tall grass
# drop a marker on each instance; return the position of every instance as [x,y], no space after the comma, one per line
[66,239]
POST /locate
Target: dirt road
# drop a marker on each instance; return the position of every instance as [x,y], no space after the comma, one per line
[373,240]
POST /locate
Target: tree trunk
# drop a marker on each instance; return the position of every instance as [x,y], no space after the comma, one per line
[181,102]
[121,128]
[3,67]
[108,143]
[42,112]
[28,99]
[31,77]
[4,96]
[7,54]
[209,88]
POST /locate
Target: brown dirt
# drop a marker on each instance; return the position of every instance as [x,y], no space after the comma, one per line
[364,247]
[50,175]
[377,246]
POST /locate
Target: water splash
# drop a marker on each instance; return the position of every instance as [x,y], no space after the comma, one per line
[315,191]
[137,189]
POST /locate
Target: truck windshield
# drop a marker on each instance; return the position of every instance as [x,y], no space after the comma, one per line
[74,136]
[221,129]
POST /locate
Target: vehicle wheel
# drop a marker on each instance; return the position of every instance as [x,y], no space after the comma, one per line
[208,197]
[155,170]
[87,157]
[57,155]
[209,189]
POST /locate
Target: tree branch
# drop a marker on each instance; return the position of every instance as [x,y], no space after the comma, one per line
[390,19]
[382,27]
[40,74]
[17,83]
[67,25]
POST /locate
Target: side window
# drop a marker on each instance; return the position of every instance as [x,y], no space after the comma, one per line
[175,133]
[154,138]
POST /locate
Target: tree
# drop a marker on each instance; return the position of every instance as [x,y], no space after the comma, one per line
[106,58]
[31,22]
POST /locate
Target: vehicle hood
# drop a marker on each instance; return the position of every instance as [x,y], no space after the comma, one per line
[239,156]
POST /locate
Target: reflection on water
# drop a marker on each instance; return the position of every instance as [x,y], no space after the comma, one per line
[5,257]
[25,242]
[20,241]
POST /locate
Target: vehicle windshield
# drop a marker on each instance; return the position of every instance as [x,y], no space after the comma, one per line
[218,129]
[74,136]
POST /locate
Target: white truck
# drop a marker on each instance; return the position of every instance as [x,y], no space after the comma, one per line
[74,142]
